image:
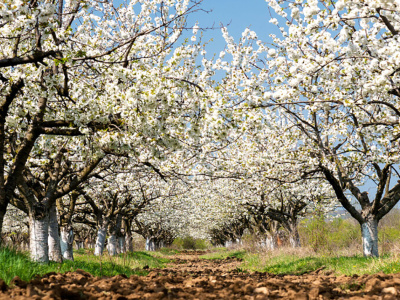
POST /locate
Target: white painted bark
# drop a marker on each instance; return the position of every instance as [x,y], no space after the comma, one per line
[369,233]
[150,244]
[228,244]
[112,245]
[54,239]
[100,241]
[270,242]
[67,240]
[121,244]
[39,231]
[294,238]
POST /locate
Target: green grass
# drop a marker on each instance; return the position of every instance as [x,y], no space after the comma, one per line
[293,264]
[167,251]
[223,253]
[13,263]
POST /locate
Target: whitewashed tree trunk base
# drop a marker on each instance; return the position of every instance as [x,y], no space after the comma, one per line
[121,244]
[369,233]
[39,236]
[67,242]
[55,253]
[150,244]
[100,241]
[294,238]
[112,245]
[270,243]
[228,244]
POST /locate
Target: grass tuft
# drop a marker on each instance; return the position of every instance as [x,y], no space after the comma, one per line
[301,262]
[13,263]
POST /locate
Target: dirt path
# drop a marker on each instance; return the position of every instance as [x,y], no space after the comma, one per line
[189,277]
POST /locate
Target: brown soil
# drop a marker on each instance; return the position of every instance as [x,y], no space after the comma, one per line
[189,277]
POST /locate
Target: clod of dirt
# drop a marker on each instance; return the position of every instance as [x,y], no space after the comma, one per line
[3,285]
[16,281]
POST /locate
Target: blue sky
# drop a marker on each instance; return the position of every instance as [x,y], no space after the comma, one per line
[239,15]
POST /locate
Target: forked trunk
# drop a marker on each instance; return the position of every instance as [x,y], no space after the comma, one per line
[100,240]
[112,245]
[54,239]
[39,235]
[369,233]
[67,240]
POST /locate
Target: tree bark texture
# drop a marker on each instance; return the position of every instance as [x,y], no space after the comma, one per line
[128,243]
[121,244]
[369,233]
[112,245]
[39,232]
[2,214]
[270,242]
[67,242]
[100,240]
[55,253]
[294,238]
[151,244]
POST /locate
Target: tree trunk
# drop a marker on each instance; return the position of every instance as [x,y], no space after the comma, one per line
[100,240]
[39,234]
[121,244]
[112,245]
[150,244]
[128,242]
[228,244]
[79,244]
[160,244]
[294,238]
[67,242]
[270,242]
[54,239]
[2,214]
[369,233]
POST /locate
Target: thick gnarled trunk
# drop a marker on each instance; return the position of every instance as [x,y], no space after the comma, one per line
[369,233]
[54,239]
[67,242]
